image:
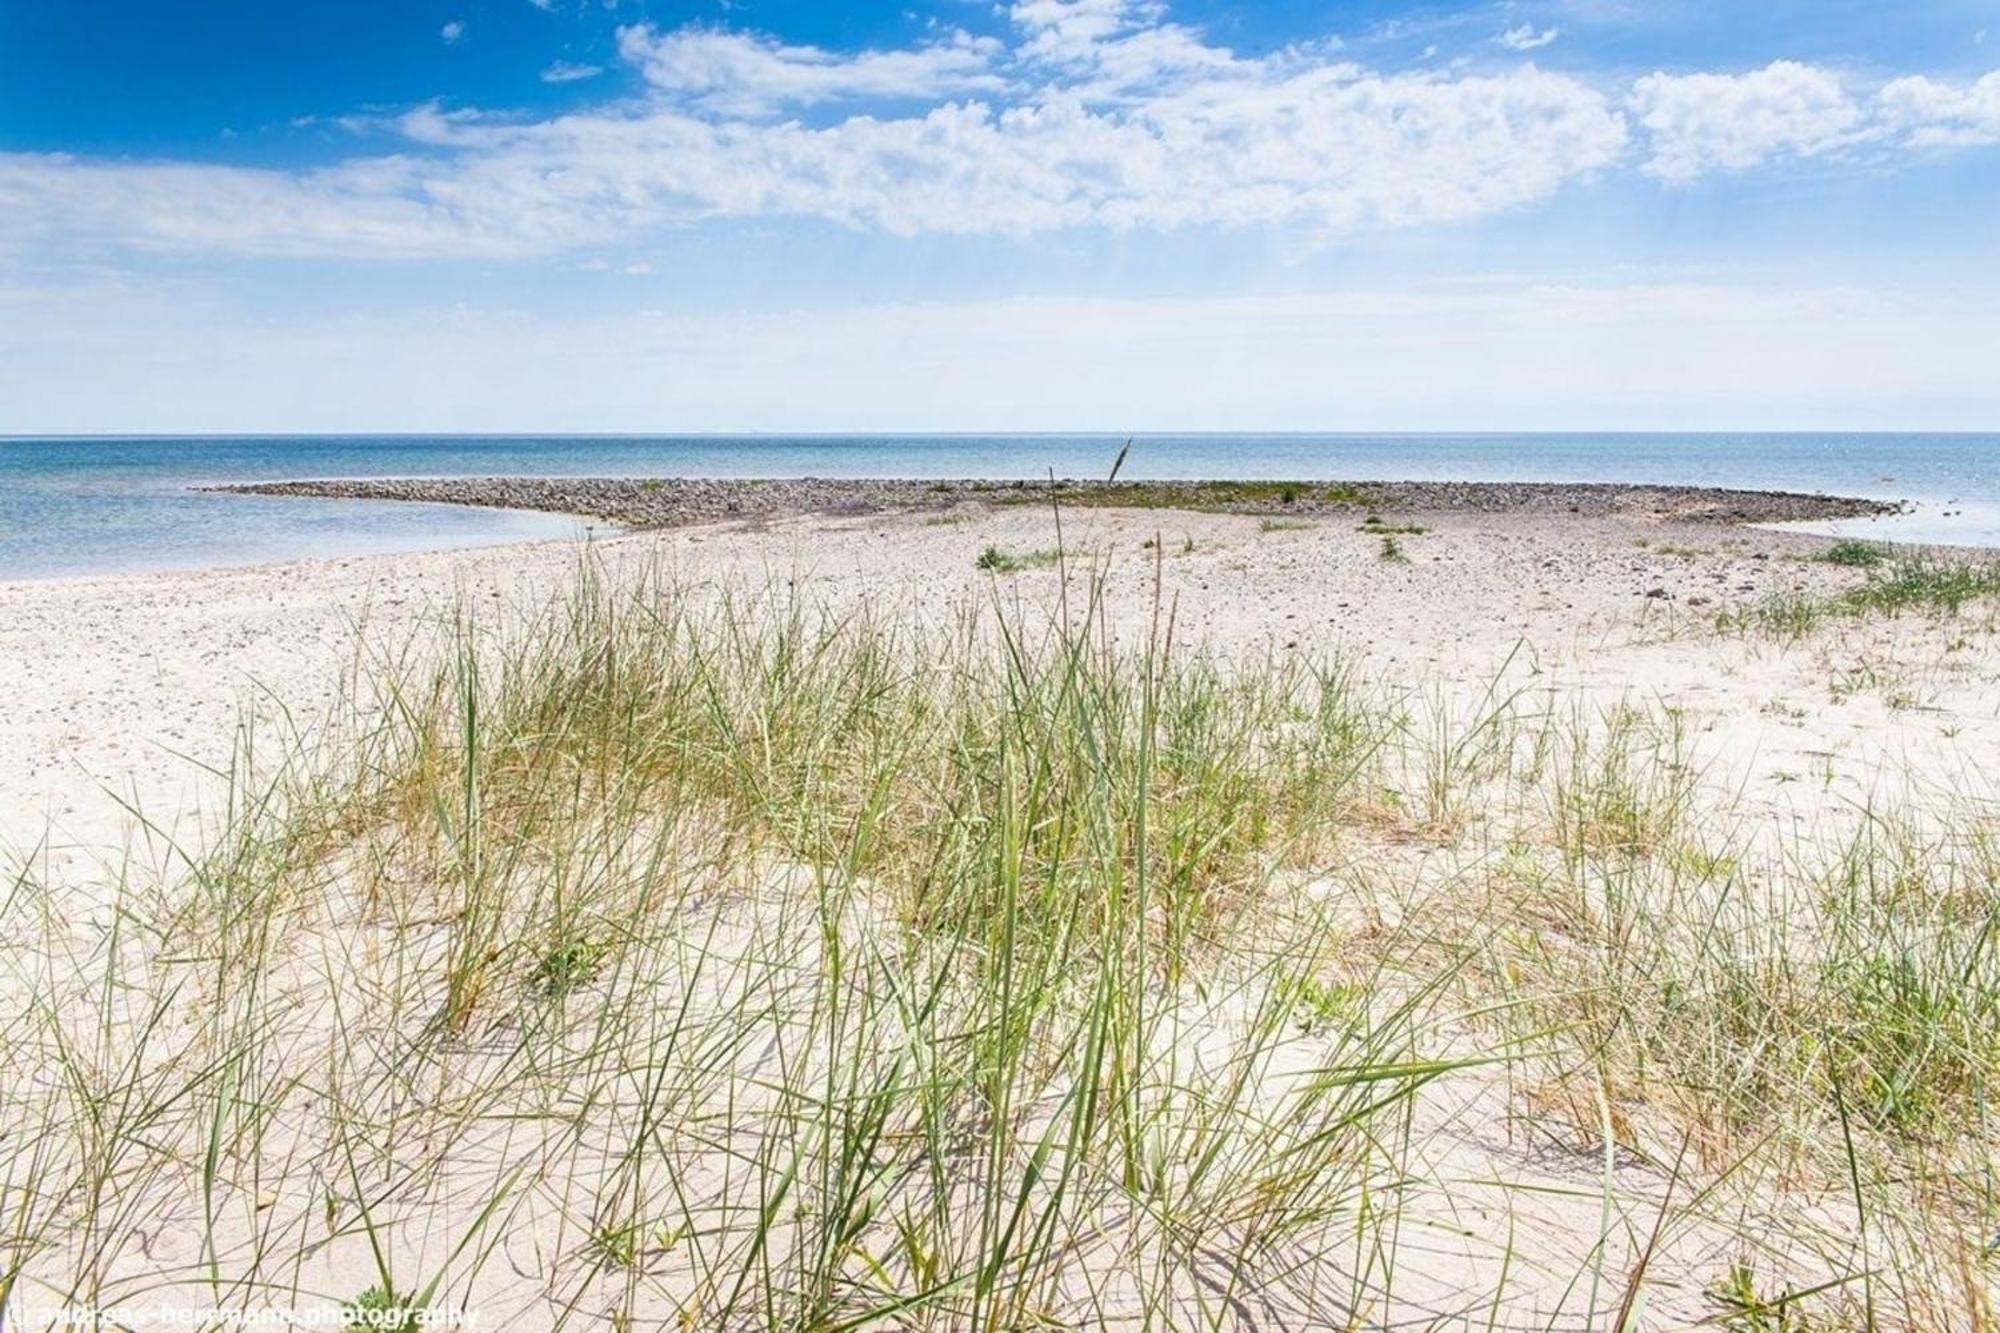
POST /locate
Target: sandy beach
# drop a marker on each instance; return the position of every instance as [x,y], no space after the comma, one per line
[132,686]
[133,693]
[1065,665]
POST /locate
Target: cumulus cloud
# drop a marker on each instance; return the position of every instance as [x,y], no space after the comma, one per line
[1328,149]
[1525,38]
[743,74]
[452,31]
[1701,122]
[1072,32]
[1294,140]
[1932,114]
[1115,45]
[1098,113]
[1697,123]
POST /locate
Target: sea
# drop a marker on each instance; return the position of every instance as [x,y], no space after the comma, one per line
[100,505]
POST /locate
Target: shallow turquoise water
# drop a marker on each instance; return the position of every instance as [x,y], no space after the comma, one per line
[77,506]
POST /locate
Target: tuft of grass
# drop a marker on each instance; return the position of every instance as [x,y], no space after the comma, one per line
[1917,583]
[1376,525]
[1285,525]
[1926,584]
[1392,552]
[1854,554]
[996,561]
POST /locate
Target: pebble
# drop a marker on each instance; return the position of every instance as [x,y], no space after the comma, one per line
[664,502]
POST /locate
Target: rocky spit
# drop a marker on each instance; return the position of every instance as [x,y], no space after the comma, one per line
[678,501]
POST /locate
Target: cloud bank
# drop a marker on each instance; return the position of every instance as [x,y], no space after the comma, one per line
[1090,114]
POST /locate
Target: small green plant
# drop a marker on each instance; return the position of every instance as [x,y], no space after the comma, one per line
[1288,494]
[1853,554]
[617,1246]
[1284,525]
[996,561]
[1747,1312]
[1319,1007]
[381,1310]
[567,966]
[1375,523]
[1393,553]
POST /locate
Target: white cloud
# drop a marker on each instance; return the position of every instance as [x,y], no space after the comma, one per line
[1931,114]
[1525,38]
[567,71]
[1697,123]
[1112,46]
[1071,32]
[452,31]
[741,74]
[1703,122]
[1326,148]
[368,208]
[1101,114]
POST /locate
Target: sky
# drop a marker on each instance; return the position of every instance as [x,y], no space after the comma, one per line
[1124,215]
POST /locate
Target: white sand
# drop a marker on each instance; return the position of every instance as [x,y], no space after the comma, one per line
[120,688]
[125,693]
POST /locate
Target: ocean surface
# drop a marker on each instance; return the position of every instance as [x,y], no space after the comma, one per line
[113,505]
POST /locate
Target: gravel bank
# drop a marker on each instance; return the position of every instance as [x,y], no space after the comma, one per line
[675,501]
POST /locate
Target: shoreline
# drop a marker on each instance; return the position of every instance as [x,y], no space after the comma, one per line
[642,504]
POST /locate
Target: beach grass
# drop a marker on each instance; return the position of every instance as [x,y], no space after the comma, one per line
[713,960]
[1917,583]
[1855,554]
[994,560]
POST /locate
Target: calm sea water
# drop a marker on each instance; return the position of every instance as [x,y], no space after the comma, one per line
[75,506]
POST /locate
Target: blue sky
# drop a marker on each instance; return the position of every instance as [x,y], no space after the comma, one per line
[1036,214]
